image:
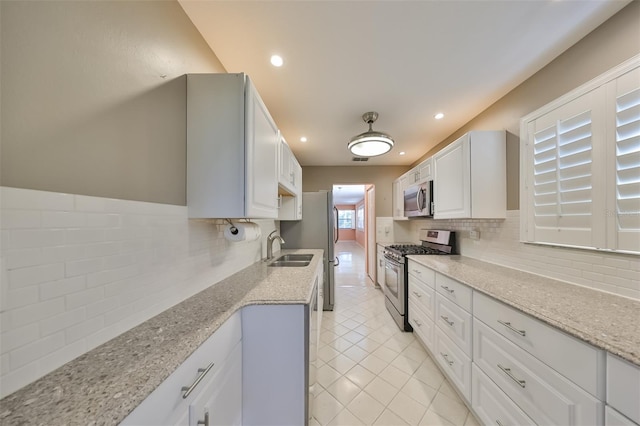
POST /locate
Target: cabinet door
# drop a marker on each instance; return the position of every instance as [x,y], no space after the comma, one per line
[261,158]
[398,199]
[380,275]
[220,401]
[452,183]
[424,171]
[286,166]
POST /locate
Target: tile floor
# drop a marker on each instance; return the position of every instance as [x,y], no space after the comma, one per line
[371,373]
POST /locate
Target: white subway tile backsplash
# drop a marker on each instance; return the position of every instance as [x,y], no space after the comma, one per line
[18,298]
[24,257]
[53,360]
[18,377]
[83,267]
[21,219]
[53,289]
[30,238]
[83,329]
[53,219]
[61,322]
[36,350]
[103,220]
[84,235]
[30,275]
[18,337]
[36,312]
[84,297]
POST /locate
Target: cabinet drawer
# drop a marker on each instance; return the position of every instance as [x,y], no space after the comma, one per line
[423,296]
[454,362]
[422,325]
[165,405]
[455,322]
[623,387]
[491,405]
[221,396]
[543,394]
[424,274]
[579,362]
[613,418]
[457,292]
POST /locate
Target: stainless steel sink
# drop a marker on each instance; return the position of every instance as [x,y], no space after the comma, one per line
[292,260]
[296,257]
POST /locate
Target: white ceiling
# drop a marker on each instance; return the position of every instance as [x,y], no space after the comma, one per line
[407,60]
[348,194]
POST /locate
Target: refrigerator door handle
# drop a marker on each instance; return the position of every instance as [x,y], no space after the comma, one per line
[337,262]
[337,226]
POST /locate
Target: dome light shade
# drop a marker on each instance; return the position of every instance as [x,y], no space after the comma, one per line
[370,143]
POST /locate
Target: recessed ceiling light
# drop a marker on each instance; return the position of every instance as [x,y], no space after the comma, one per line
[303,139]
[277,60]
[438,116]
[401,153]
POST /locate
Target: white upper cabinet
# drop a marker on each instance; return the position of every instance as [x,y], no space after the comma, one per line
[398,197]
[289,183]
[470,177]
[232,149]
[420,173]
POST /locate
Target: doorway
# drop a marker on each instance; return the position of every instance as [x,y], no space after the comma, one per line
[356,235]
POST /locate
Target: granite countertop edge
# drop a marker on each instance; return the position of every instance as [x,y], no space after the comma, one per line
[106,383]
[582,313]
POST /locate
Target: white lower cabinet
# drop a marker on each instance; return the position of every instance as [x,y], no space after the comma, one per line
[422,325]
[197,379]
[613,418]
[491,405]
[454,362]
[623,387]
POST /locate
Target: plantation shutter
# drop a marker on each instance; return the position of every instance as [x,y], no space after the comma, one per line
[564,191]
[627,161]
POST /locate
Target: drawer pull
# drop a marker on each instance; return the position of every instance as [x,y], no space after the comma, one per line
[417,294]
[419,323]
[446,319]
[499,423]
[188,389]
[204,422]
[446,288]
[417,272]
[512,328]
[508,372]
[446,358]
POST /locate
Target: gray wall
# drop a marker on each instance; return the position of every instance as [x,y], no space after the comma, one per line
[612,43]
[94,97]
[315,178]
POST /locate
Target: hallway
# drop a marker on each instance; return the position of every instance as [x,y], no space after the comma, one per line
[371,373]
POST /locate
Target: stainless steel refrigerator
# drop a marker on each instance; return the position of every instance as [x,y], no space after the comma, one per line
[316,230]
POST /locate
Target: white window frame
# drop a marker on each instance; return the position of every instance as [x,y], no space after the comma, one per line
[605,235]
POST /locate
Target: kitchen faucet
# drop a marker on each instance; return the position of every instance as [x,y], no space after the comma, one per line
[270,239]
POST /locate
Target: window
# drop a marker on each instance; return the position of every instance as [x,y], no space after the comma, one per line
[346,219]
[581,166]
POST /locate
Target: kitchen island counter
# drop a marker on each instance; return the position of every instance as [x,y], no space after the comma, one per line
[604,320]
[105,384]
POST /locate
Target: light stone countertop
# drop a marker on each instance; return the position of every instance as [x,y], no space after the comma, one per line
[604,320]
[104,385]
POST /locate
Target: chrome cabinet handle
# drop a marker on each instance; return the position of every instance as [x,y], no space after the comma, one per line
[417,272]
[512,328]
[499,423]
[419,323]
[188,389]
[446,288]
[446,358]
[417,294]
[508,372]
[446,319]
[204,422]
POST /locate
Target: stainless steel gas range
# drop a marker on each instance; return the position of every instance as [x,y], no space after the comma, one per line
[396,275]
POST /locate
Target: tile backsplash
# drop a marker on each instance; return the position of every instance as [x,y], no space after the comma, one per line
[77,271]
[499,243]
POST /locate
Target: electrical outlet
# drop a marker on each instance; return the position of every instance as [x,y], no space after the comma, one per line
[474,235]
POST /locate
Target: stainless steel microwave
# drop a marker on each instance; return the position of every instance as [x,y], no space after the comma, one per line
[418,200]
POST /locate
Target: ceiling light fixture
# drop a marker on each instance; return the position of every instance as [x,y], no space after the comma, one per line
[370,143]
[277,60]
[438,116]
[303,139]
[401,153]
